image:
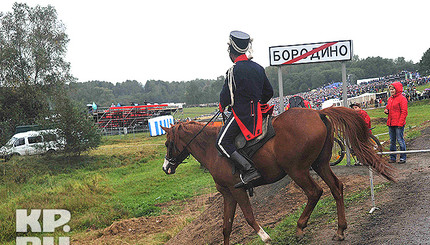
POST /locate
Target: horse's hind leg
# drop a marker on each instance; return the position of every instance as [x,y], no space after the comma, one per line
[229,211]
[243,200]
[313,192]
[336,188]
[322,166]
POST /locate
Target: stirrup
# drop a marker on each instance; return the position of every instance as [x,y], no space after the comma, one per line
[248,187]
[242,183]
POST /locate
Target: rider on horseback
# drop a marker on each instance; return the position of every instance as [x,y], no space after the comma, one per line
[246,87]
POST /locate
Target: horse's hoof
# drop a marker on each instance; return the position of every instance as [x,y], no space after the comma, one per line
[300,235]
[338,237]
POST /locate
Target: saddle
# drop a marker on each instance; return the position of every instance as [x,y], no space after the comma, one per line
[249,148]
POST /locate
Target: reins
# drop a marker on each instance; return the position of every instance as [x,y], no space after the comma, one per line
[175,159]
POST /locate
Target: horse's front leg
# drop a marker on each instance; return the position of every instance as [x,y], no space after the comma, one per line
[229,211]
[242,198]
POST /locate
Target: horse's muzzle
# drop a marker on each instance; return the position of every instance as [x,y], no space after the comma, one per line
[168,167]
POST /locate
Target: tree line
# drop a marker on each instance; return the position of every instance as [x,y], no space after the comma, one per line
[296,78]
[153,91]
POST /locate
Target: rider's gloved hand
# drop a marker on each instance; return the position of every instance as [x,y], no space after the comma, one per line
[221,109]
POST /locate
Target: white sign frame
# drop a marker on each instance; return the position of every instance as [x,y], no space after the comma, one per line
[311,53]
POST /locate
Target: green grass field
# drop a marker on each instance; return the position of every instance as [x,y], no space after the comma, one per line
[194,112]
[119,180]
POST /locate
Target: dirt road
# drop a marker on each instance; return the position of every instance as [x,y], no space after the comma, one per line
[403,214]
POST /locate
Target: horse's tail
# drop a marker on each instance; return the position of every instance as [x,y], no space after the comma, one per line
[348,123]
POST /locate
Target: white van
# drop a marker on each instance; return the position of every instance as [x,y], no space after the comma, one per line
[31,143]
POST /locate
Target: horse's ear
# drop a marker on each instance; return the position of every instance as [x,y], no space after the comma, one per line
[166,129]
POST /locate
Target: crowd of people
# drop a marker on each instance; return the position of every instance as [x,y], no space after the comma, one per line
[334,91]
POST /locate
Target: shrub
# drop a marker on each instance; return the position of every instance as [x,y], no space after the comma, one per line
[74,126]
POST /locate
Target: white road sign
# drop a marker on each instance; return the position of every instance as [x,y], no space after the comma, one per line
[311,53]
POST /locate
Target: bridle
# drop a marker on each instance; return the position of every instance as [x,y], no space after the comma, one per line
[178,159]
[174,161]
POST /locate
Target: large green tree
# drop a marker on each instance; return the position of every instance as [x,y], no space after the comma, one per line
[33,76]
[424,65]
[33,47]
[32,63]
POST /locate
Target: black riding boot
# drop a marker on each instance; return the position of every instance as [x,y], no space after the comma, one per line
[249,174]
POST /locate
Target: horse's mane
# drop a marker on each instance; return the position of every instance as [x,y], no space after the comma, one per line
[193,127]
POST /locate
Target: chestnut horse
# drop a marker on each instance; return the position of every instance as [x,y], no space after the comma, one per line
[304,139]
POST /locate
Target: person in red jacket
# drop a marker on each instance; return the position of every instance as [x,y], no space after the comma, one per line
[397,110]
[363,114]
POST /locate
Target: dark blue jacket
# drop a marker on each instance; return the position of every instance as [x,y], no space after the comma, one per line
[252,87]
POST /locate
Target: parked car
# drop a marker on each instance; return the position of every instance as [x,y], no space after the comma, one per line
[32,143]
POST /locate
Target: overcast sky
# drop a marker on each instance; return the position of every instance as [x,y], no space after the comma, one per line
[174,40]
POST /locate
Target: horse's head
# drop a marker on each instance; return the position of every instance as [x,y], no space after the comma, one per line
[176,152]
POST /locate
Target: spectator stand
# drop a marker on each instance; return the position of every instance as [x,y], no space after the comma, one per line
[123,119]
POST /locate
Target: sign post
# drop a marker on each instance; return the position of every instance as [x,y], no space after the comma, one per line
[309,53]
[281,90]
[344,85]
